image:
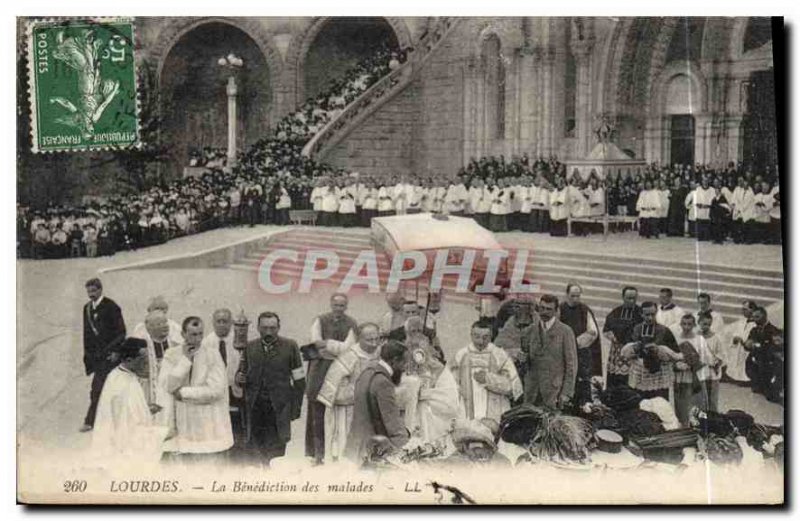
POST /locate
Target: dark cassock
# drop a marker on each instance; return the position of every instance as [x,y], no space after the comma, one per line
[581,320]
[274,388]
[375,412]
[328,326]
[720,214]
[760,363]
[103,327]
[620,321]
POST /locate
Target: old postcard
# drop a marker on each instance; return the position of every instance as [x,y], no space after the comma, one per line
[399,260]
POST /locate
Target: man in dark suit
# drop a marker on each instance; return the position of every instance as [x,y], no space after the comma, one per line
[553,362]
[375,412]
[762,348]
[271,372]
[103,328]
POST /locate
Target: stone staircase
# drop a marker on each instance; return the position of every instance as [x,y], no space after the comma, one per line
[601,275]
[380,93]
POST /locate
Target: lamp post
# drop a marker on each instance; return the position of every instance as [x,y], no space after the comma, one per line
[231,64]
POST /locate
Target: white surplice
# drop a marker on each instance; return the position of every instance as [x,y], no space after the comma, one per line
[124,428]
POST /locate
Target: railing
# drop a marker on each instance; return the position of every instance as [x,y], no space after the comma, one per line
[383,90]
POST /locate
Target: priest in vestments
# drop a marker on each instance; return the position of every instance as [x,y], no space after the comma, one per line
[330,331]
[338,389]
[486,377]
[669,314]
[158,341]
[428,393]
[618,329]
[651,353]
[580,318]
[124,428]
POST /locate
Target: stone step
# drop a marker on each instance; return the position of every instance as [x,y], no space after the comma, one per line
[355,241]
[653,266]
[599,297]
[601,275]
[361,237]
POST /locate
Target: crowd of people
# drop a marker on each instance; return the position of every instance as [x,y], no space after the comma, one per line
[273,177]
[192,392]
[268,179]
[538,196]
[533,196]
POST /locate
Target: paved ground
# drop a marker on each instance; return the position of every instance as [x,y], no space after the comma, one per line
[53,391]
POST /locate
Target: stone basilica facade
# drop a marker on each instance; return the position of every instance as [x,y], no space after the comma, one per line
[673,89]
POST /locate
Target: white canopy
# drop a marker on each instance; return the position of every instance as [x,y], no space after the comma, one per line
[423,232]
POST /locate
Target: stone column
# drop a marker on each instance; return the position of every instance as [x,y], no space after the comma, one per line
[471,107]
[527,102]
[656,139]
[536,95]
[549,59]
[232,90]
[734,131]
[702,138]
[582,50]
[512,126]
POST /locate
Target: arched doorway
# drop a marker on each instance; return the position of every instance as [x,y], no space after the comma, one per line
[681,104]
[340,44]
[193,93]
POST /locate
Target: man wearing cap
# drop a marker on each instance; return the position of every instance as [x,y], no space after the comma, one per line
[103,326]
[124,427]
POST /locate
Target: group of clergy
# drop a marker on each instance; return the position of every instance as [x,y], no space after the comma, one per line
[711,211]
[525,203]
[534,357]
[202,397]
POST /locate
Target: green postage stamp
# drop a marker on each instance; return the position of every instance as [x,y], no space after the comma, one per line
[82,81]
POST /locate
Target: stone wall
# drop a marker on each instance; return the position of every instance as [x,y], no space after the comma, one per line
[383,143]
[439,132]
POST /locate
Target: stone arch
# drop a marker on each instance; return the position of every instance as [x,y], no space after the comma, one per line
[695,75]
[659,57]
[736,51]
[716,38]
[616,53]
[177,28]
[511,37]
[302,41]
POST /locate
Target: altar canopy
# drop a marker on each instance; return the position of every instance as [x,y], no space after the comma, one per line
[420,232]
[428,234]
[605,160]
